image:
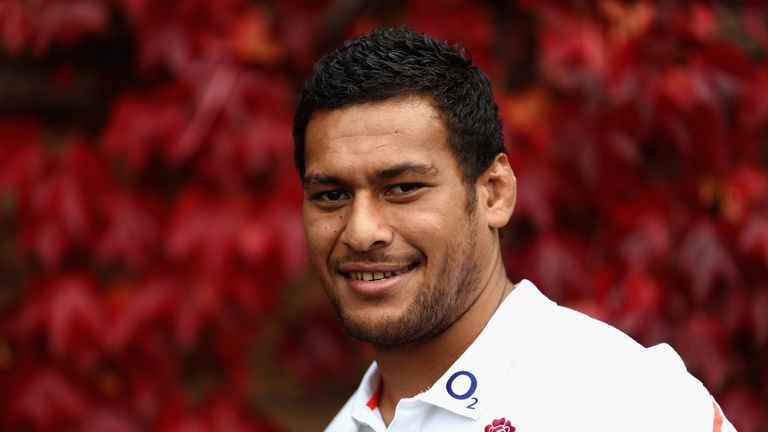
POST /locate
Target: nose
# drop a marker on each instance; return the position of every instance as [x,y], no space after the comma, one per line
[367,227]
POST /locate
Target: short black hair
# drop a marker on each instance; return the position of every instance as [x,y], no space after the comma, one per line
[387,63]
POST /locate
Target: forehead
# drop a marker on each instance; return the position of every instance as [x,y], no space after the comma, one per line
[377,134]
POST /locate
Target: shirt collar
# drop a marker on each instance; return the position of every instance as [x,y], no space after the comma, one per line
[364,410]
[468,385]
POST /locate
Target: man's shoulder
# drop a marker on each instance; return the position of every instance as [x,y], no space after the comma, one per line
[600,375]
[539,323]
[571,343]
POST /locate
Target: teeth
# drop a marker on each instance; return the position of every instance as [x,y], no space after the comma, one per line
[401,271]
[369,276]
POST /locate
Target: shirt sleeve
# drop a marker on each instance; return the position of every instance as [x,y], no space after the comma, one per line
[682,401]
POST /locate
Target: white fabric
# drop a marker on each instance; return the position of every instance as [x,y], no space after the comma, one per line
[546,368]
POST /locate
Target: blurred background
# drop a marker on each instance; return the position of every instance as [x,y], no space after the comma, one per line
[152,267]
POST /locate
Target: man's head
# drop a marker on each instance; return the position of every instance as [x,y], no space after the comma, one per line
[396,62]
[404,190]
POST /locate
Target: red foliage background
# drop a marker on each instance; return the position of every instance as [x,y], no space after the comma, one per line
[152,263]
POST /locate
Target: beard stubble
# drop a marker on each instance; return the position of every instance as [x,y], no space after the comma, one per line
[438,303]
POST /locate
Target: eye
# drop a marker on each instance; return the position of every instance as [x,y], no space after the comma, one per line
[329,196]
[402,189]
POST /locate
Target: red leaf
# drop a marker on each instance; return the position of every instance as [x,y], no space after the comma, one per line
[630,20]
[249,150]
[252,134]
[214,96]
[21,157]
[15,25]
[648,241]
[558,265]
[300,27]
[221,415]
[754,237]
[144,127]
[42,23]
[526,116]
[705,259]
[539,192]
[640,310]
[133,312]
[457,21]
[744,191]
[182,36]
[56,209]
[255,240]
[47,399]
[759,317]
[573,53]
[200,301]
[313,349]
[105,420]
[756,22]
[288,232]
[131,230]
[743,409]
[703,345]
[701,21]
[252,38]
[66,314]
[225,415]
[67,23]
[204,231]
[75,323]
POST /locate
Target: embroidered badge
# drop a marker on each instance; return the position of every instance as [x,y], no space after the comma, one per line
[500,425]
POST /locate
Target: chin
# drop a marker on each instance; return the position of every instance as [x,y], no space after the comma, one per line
[379,334]
[385,329]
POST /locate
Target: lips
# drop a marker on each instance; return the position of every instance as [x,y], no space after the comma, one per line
[374,279]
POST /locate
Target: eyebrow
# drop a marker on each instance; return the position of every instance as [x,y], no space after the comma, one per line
[320,179]
[406,168]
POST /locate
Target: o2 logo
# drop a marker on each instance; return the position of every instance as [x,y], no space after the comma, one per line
[468,393]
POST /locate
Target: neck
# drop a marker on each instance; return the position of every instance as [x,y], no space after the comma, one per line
[410,369]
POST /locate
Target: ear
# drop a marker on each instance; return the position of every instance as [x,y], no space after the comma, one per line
[497,189]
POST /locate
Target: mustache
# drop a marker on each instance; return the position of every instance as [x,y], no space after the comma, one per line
[376,257]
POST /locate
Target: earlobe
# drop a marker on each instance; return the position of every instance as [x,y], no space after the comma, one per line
[500,191]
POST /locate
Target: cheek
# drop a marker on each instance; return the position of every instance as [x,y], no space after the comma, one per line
[425,229]
[321,232]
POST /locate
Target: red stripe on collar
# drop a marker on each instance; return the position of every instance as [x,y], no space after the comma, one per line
[373,403]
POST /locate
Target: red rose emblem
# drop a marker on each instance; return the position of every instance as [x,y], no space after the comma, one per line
[500,425]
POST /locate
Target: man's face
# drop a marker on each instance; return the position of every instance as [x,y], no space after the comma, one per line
[386,220]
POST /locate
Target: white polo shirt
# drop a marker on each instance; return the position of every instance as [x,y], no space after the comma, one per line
[540,367]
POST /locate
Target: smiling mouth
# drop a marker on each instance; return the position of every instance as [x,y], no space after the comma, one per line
[374,276]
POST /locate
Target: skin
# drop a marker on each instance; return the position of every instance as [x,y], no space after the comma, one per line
[383,194]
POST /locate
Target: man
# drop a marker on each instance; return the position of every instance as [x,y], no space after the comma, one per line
[406,186]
